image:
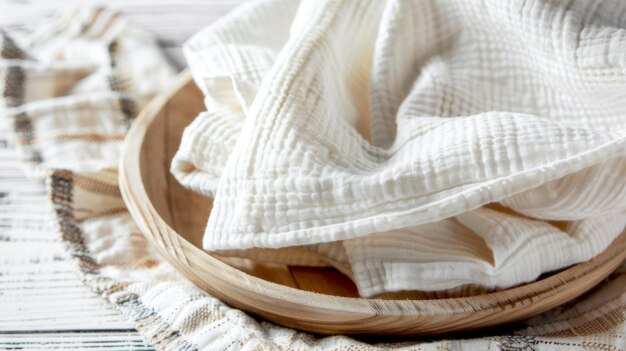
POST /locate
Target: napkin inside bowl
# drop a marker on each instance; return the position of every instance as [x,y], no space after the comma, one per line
[413,145]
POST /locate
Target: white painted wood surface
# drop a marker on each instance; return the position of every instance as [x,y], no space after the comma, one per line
[43,304]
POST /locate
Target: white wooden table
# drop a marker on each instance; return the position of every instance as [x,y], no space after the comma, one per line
[43,304]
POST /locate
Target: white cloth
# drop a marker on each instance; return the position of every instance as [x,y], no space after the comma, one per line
[377,121]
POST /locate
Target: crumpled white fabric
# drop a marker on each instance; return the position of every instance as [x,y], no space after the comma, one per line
[389,124]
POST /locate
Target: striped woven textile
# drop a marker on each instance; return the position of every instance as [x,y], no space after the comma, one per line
[68,95]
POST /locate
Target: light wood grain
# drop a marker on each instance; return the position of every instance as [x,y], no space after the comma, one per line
[172,218]
[104,340]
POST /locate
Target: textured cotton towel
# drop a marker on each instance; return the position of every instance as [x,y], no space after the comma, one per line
[117,262]
[389,124]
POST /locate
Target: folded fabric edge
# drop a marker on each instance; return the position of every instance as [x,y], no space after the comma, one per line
[478,195]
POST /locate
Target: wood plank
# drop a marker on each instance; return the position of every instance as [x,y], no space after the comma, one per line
[110,341]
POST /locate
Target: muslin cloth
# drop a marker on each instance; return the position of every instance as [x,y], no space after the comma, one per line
[390,124]
[116,261]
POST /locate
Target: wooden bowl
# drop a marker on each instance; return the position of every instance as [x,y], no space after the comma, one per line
[316,300]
